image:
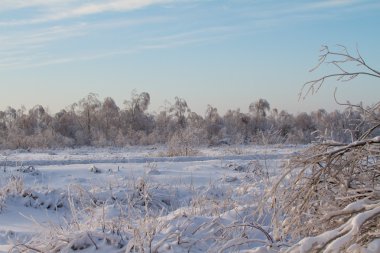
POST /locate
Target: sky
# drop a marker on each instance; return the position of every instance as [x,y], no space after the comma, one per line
[223,53]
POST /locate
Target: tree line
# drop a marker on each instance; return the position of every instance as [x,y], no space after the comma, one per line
[92,122]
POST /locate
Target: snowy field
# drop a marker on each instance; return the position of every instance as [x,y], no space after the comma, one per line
[137,199]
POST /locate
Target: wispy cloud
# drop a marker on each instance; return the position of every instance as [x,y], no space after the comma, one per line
[49,60]
[175,39]
[276,13]
[30,48]
[19,4]
[56,10]
[42,36]
[17,59]
[108,6]
[277,9]
[326,4]
[23,43]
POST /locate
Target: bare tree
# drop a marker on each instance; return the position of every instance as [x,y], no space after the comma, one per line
[87,109]
[259,111]
[236,126]
[330,193]
[138,103]
[179,110]
[214,124]
[134,117]
[260,107]
[109,117]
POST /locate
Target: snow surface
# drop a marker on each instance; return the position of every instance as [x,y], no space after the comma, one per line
[199,199]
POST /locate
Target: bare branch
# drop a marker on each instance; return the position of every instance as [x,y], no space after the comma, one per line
[330,192]
[344,56]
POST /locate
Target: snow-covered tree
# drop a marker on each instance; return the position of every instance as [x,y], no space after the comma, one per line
[109,118]
[213,123]
[330,193]
[87,109]
[179,111]
[134,117]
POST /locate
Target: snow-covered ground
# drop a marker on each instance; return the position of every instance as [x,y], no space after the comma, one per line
[135,198]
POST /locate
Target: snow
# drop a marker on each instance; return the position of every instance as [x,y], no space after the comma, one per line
[105,200]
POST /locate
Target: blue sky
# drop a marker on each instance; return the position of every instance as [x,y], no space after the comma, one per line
[224,53]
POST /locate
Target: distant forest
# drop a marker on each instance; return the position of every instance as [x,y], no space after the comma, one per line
[91,122]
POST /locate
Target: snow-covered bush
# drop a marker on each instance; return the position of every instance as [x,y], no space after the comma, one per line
[330,193]
[13,186]
[183,143]
[150,199]
[332,187]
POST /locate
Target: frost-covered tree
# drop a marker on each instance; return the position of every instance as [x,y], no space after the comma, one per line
[3,128]
[259,111]
[260,108]
[236,125]
[285,123]
[330,193]
[39,118]
[179,112]
[214,124]
[305,127]
[134,117]
[163,127]
[66,124]
[87,109]
[109,118]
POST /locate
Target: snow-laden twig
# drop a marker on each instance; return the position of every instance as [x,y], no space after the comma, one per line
[339,239]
